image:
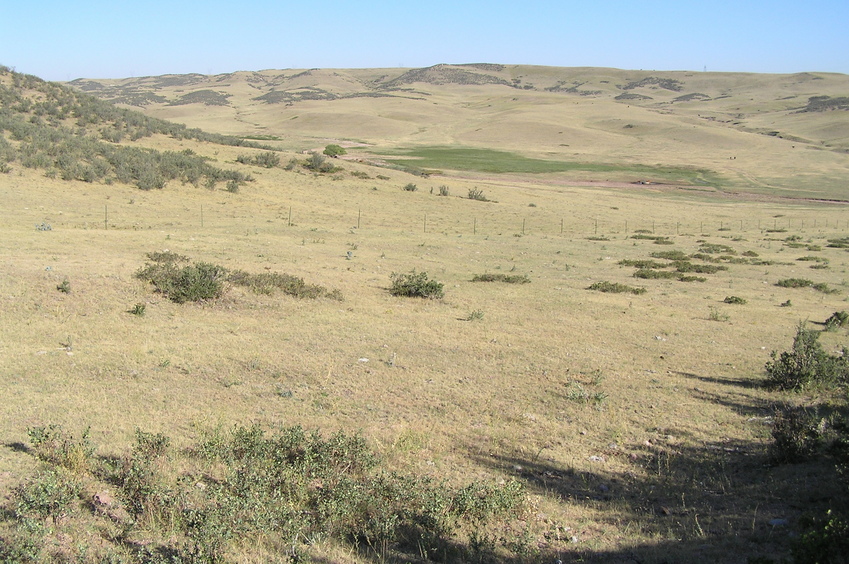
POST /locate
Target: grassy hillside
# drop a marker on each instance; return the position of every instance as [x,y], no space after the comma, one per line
[769,134]
[535,412]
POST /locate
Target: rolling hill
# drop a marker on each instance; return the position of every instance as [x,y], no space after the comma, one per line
[771,134]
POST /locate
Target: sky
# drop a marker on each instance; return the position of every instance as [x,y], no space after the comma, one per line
[64,40]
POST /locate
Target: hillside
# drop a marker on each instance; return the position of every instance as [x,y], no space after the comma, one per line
[770,134]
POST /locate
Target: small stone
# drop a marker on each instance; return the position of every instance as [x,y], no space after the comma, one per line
[779,522]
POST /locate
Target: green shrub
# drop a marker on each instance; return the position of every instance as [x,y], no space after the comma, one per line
[410,187]
[415,285]
[615,288]
[643,263]
[500,277]
[735,300]
[806,364]
[268,282]
[795,283]
[649,274]
[443,190]
[837,319]
[477,194]
[192,283]
[333,150]
[49,494]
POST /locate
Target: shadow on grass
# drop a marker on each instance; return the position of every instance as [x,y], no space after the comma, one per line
[678,500]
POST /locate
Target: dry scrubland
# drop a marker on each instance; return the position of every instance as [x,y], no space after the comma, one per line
[637,424]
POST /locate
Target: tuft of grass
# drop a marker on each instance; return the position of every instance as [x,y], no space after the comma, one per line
[64,286]
[475,315]
[138,309]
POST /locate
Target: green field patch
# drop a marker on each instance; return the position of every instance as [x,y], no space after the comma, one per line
[493,161]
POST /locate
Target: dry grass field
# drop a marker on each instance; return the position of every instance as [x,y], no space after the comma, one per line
[637,424]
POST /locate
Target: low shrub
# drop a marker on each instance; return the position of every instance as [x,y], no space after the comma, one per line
[649,274]
[500,277]
[477,194]
[795,283]
[735,300]
[643,263]
[203,281]
[415,284]
[806,364]
[797,433]
[268,282]
[410,187]
[615,288]
[191,283]
[836,320]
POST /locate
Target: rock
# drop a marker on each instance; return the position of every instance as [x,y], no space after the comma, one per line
[779,522]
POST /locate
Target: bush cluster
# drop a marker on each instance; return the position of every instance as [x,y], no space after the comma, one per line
[276,492]
[172,275]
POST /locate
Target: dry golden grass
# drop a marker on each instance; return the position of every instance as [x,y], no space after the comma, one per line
[632,420]
[746,128]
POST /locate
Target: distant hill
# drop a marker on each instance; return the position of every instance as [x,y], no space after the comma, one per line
[759,132]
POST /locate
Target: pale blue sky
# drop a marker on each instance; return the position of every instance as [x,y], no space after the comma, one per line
[115,39]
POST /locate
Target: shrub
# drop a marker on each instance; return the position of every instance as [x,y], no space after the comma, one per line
[837,319]
[192,283]
[797,434]
[477,194]
[53,445]
[735,300]
[443,190]
[410,187]
[500,277]
[318,163]
[794,283]
[269,159]
[615,287]
[415,285]
[334,150]
[268,282]
[806,364]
